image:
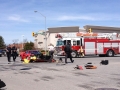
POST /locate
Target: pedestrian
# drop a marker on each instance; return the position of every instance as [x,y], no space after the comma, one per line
[68,51]
[8,52]
[51,52]
[14,52]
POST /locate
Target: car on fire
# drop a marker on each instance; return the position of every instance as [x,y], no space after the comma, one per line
[28,53]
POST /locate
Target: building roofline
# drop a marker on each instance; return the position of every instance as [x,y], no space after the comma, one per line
[63,29]
[101,27]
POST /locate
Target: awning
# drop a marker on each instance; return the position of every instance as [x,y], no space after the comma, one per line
[102,29]
[63,29]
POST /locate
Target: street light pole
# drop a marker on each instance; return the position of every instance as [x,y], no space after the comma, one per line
[45,32]
[22,40]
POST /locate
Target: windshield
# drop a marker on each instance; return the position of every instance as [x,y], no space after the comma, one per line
[35,52]
[59,43]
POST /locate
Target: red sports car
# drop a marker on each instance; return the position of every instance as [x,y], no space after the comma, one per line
[28,53]
[40,57]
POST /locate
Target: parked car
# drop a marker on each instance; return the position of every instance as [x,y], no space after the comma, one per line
[27,53]
[3,52]
[0,53]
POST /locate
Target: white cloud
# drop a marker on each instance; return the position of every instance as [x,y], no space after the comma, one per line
[62,18]
[17,18]
[89,17]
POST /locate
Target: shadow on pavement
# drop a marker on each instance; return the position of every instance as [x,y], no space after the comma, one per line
[25,69]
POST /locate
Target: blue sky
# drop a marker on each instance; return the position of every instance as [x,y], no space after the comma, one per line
[17,17]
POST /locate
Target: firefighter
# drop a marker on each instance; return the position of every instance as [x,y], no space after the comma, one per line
[14,52]
[8,52]
[51,52]
[68,51]
[80,52]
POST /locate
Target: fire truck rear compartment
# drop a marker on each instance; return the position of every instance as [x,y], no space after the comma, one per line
[101,48]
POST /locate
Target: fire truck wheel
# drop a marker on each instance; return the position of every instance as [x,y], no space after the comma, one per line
[74,54]
[110,53]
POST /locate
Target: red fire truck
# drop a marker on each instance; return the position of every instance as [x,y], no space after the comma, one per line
[91,43]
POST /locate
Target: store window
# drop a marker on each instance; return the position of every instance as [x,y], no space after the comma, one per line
[78,42]
[74,43]
[67,41]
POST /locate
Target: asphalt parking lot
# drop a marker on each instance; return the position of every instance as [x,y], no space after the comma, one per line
[50,76]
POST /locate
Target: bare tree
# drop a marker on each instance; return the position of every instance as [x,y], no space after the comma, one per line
[25,41]
[15,41]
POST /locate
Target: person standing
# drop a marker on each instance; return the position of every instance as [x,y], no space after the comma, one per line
[68,51]
[8,52]
[51,51]
[14,52]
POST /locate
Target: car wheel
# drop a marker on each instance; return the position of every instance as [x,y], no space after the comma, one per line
[74,54]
